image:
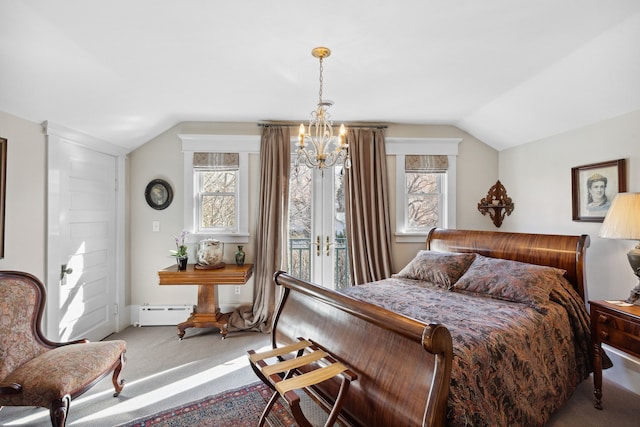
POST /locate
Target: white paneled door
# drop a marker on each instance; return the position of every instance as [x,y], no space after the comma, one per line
[82,240]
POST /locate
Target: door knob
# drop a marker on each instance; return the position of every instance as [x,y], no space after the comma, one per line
[64,270]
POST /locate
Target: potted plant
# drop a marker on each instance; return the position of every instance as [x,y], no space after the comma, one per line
[180,253]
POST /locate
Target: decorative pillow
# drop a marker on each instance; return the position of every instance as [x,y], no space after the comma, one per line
[440,268]
[510,280]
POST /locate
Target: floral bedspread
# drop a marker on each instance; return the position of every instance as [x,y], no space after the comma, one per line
[512,365]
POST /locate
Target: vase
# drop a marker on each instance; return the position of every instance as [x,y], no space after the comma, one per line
[240,256]
[182,263]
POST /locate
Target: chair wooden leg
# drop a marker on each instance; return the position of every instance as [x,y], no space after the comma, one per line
[58,411]
[118,383]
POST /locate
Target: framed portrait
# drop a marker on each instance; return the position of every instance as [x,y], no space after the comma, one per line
[3,188]
[593,188]
[158,194]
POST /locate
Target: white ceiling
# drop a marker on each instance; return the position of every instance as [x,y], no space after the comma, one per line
[506,71]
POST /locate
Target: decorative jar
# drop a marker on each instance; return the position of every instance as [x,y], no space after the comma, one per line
[210,252]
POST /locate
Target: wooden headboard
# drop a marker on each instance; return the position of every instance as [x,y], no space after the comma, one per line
[560,251]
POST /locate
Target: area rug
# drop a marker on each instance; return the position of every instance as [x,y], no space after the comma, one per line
[240,407]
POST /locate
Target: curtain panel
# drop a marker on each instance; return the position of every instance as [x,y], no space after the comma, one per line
[367,206]
[271,230]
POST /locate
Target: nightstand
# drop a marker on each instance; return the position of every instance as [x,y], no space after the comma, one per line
[616,326]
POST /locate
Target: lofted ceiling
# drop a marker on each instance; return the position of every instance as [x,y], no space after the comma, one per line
[506,71]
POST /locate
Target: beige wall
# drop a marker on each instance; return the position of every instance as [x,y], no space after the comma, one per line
[538,179]
[25,220]
[162,158]
[536,175]
[25,226]
[477,166]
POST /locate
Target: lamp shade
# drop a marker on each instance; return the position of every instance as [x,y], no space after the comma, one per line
[623,218]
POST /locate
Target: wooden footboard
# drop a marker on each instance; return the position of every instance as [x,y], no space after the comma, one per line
[403,366]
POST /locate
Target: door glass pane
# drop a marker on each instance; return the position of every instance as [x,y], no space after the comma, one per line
[218,211]
[300,222]
[341,260]
[219,181]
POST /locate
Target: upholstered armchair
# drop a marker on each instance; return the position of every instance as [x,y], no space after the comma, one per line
[37,372]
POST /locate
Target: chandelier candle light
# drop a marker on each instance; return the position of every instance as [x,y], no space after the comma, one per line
[320,132]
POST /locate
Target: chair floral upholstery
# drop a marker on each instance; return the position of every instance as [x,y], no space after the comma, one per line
[37,372]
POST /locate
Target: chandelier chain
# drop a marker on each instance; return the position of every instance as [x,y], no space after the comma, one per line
[321,81]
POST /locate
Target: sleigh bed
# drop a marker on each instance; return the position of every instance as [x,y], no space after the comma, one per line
[481,328]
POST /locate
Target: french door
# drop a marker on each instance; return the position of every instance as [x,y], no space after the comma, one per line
[317,234]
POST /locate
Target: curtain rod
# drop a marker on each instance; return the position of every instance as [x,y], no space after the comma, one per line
[349,125]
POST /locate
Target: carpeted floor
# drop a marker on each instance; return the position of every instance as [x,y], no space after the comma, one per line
[161,372]
[164,373]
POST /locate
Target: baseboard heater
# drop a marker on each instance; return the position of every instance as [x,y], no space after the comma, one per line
[163,315]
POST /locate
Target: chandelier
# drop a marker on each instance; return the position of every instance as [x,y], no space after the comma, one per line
[320,155]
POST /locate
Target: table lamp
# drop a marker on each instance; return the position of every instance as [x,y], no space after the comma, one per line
[623,222]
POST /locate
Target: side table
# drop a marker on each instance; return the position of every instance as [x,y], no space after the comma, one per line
[614,325]
[207,313]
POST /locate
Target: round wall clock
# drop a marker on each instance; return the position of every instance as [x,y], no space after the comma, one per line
[158,194]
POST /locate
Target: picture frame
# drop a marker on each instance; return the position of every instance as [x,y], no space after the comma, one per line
[158,194]
[3,188]
[593,188]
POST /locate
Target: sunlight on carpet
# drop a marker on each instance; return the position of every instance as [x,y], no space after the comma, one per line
[174,388]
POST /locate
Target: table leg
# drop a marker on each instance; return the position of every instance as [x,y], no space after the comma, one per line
[207,313]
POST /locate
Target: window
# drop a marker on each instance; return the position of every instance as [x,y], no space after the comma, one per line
[217,175]
[424,192]
[423,200]
[425,185]
[216,188]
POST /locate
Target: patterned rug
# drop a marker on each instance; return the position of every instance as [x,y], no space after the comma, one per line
[240,407]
